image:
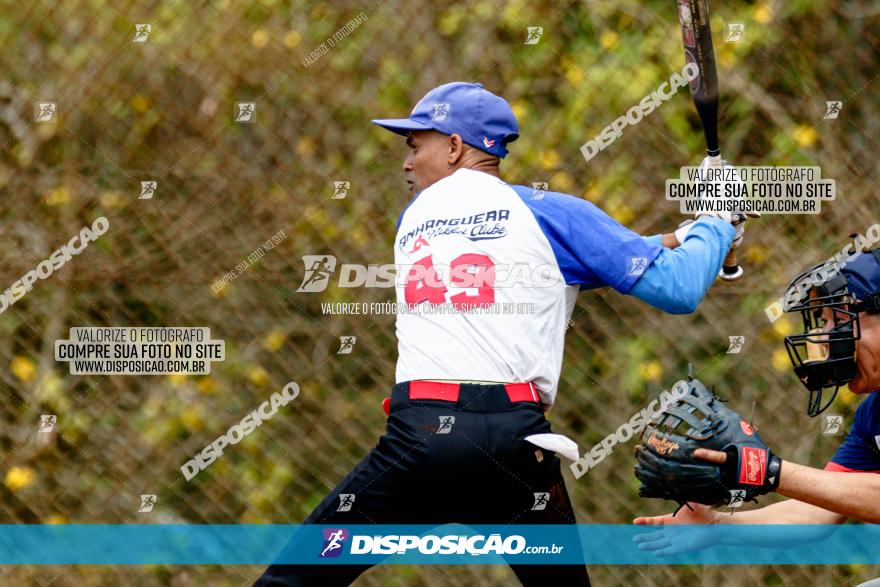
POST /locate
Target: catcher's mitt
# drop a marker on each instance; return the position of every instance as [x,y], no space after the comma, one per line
[700,420]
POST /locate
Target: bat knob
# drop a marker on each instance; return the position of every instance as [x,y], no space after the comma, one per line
[731,273]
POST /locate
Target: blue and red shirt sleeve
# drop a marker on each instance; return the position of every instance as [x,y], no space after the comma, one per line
[591,248]
[860,451]
[594,250]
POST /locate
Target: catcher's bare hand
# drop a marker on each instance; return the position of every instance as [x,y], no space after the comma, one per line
[713,456]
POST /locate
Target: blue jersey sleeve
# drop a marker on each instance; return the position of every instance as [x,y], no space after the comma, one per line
[860,450]
[679,278]
[591,248]
[656,240]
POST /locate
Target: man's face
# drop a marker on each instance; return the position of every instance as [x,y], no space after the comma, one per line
[867,377]
[426,162]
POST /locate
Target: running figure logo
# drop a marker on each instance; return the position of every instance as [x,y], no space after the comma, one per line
[148,190]
[47,422]
[318,270]
[737,498]
[833,108]
[534,34]
[147,503]
[44,111]
[736,344]
[735,32]
[245,111]
[340,189]
[333,539]
[638,265]
[541,501]
[446,423]
[142,33]
[833,424]
[346,500]
[346,345]
[441,111]
[539,187]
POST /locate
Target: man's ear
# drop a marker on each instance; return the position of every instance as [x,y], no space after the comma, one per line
[455,149]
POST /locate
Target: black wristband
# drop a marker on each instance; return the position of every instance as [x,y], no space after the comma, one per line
[774,473]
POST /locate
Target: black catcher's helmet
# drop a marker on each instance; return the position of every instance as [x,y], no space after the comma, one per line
[824,355]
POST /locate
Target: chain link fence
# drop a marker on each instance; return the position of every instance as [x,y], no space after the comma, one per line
[162,104]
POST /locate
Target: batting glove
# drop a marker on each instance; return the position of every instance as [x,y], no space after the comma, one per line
[714,163]
[682,231]
[737,219]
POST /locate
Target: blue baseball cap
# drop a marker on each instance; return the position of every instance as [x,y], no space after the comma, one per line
[483,120]
[863,275]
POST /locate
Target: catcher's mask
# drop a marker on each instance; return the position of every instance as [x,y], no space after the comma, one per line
[829,299]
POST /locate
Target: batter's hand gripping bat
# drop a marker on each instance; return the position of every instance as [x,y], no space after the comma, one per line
[696,35]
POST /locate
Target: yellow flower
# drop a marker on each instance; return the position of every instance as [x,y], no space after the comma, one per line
[574,74]
[49,388]
[652,370]
[725,59]
[762,13]
[23,368]
[549,159]
[519,108]
[847,397]
[57,196]
[177,380]
[784,326]
[780,360]
[593,193]
[805,135]
[608,39]
[305,146]
[19,478]
[274,340]
[259,38]
[258,376]
[140,103]
[221,293]
[755,254]
[206,385]
[450,21]
[191,418]
[623,214]
[292,39]
[111,199]
[562,182]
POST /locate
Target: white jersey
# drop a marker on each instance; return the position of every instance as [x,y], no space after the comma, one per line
[511,261]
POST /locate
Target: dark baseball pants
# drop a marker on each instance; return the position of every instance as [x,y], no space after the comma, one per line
[478,471]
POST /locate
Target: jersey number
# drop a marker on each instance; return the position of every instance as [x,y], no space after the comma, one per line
[466,271]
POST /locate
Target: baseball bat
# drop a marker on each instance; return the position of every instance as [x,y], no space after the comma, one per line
[696,34]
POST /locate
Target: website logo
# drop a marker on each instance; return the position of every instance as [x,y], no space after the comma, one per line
[318,270]
[833,424]
[334,538]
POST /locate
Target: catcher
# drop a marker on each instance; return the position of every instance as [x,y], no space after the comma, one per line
[718,459]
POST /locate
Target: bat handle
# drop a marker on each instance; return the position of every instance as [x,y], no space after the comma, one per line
[730,270]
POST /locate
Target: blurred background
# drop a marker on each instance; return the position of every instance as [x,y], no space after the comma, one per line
[162,109]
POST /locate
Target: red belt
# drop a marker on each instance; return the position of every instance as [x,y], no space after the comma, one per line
[439,390]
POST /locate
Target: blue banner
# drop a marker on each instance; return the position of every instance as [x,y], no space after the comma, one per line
[239,544]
